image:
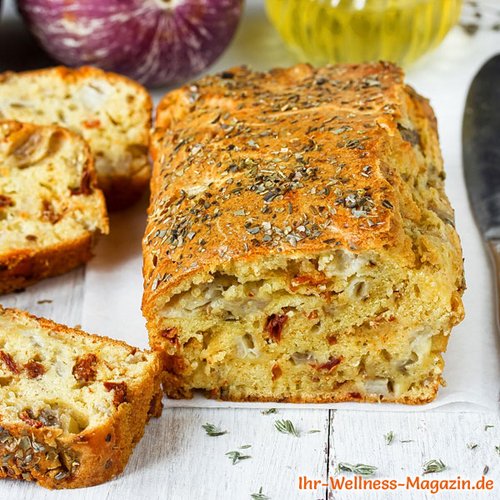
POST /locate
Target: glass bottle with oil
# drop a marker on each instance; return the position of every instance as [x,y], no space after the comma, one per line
[330,31]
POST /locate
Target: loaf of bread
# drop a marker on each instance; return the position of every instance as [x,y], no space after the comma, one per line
[50,209]
[300,246]
[72,405]
[111,112]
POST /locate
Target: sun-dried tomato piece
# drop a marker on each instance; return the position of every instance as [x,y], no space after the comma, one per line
[85,187]
[170,334]
[276,372]
[49,213]
[9,362]
[28,417]
[332,339]
[34,369]
[85,368]
[274,325]
[120,389]
[5,201]
[329,365]
[92,123]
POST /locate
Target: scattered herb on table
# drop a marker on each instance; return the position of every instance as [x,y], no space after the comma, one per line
[245,446]
[269,411]
[497,448]
[432,466]
[472,446]
[362,469]
[44,301]
[313,431]
[286,427]
[236,456]
[389,437]
[212,430]
[260,495]
[486,470]
[407,441]
[488,426]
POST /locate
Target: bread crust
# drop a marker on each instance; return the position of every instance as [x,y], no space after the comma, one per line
[121,190]
[94,455]
[22,267]
[179,118]
[219,203]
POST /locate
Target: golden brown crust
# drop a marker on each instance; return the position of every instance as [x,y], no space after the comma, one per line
[259,175]
[22,267]
[120,190]
[209,133]
[335,397]
[94,455]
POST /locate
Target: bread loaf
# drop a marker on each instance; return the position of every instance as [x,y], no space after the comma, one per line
[72,405]
[300,246]
[110,111]
[50,208]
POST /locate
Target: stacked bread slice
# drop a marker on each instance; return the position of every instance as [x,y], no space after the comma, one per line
[111,112]
[72,405]
[50,208]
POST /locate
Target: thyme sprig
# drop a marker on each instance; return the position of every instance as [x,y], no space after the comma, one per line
[361,469]
[269,411]
[286,427]
[235,456]
[213,430]
[433,466]
[260,495]
[389,437]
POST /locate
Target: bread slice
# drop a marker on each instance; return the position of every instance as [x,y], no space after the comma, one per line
[72,405]
[110,111]
[300,246]
[50,209]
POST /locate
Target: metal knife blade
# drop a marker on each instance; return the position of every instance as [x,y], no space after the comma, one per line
[481,148]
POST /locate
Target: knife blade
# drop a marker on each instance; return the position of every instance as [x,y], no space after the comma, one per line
[481,148]
[481,159]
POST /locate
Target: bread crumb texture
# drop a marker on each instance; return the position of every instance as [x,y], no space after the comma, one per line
[111,112]
[50,208]
[72,405]
[300,246]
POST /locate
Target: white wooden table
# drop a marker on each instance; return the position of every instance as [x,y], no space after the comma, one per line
[177,460]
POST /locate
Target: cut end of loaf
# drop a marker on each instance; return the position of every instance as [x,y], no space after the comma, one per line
[72,405]
[333,327]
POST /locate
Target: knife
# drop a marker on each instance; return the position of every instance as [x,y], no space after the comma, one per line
[481,157]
